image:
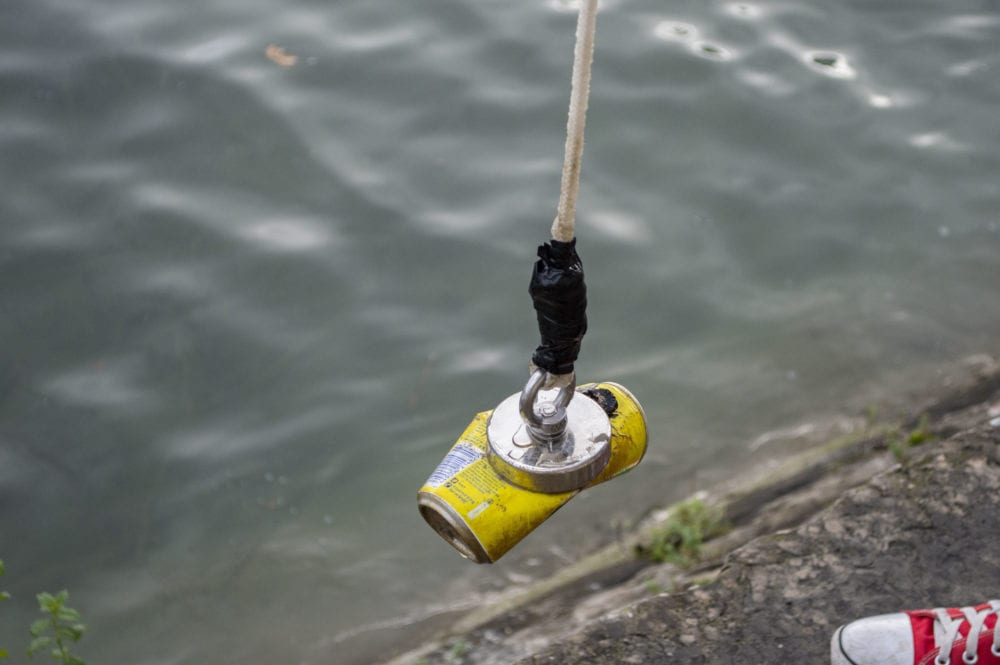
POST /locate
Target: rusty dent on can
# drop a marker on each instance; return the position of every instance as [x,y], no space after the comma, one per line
[482,514]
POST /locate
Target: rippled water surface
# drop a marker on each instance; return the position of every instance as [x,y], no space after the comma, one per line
[261,262]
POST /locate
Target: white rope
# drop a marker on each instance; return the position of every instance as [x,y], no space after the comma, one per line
[563,226]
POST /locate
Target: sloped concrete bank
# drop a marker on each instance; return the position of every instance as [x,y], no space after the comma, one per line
[904,516]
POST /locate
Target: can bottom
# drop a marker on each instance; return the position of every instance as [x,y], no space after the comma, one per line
[442,518]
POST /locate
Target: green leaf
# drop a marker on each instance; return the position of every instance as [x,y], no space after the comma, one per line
[3,594]
[39,627]
[73,660]
[74,632]
[3,653]
[45,601]
[68,614]
[39,642]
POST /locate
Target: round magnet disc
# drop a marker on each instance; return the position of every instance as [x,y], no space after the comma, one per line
[567,466]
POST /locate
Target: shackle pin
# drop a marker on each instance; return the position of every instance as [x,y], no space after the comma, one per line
[547,425]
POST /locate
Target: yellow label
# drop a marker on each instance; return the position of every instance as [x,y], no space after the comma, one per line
[498,513]
[628,432]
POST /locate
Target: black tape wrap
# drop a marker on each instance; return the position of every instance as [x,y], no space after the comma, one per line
[560,298]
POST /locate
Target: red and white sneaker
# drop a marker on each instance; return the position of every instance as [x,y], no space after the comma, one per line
[945,636]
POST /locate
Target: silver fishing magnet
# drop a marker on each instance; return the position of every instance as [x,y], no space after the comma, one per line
[549,440]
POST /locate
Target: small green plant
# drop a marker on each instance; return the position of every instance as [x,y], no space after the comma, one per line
[921,434]
[3,596]
[458,649]
[58,629]
[690,524]
[899,443]
[871,416]
[896,445]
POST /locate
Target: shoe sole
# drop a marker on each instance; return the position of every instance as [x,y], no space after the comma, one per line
[840,647]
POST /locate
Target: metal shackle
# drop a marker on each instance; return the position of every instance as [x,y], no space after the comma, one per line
[547,425]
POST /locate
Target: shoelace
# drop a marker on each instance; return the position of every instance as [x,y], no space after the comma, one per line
[946,631]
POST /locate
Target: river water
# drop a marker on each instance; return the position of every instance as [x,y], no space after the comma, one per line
[261,262]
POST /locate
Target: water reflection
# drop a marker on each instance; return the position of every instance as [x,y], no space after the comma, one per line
[574,5]
[831,63]
[288,235]
[970,26]
[111,383]
[711,51]
[880,101]
[249,435]
[937,141]
[673,31]
[619,226]
[767,82]
[744,10]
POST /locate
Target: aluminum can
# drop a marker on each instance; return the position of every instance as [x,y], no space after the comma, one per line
[482,515]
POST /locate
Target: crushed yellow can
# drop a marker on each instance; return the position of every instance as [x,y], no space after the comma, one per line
[482,514]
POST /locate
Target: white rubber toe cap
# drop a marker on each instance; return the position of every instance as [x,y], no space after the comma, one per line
[880,640]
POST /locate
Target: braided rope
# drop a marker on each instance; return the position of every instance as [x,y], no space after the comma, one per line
[583,56]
